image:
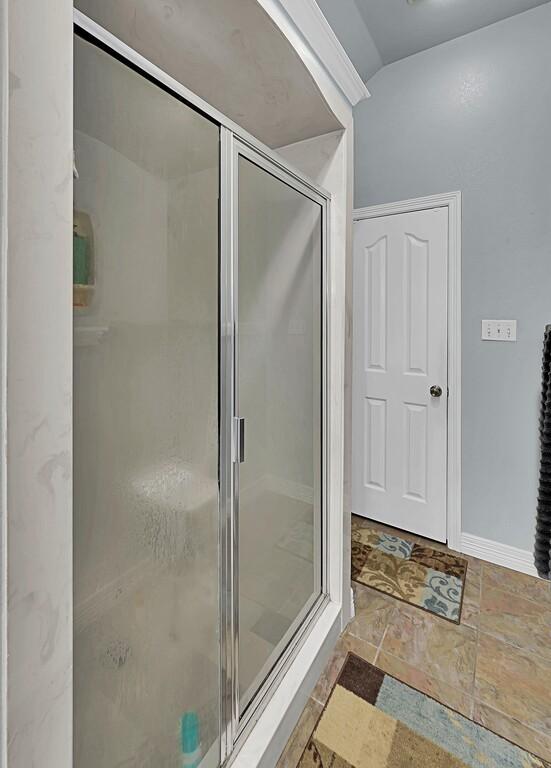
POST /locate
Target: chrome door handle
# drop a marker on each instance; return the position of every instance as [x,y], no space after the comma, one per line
[239,437]
[435,391]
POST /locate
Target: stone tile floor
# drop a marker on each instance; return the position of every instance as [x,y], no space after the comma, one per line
[494,667]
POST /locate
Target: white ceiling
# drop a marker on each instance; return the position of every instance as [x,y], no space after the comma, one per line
[399,29]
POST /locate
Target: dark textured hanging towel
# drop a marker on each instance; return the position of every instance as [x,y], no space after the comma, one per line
[542,548]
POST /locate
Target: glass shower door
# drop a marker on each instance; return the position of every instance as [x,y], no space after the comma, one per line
[146,435]
[197,558]
[278,404]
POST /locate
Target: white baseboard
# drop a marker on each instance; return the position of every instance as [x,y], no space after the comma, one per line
[500,554]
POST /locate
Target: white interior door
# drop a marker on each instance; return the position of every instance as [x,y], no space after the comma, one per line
[400,371]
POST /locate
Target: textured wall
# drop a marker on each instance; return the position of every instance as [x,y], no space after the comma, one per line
[39,385]
[474,115]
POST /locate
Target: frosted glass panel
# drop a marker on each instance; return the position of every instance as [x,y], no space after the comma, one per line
[279,396]
[146,576]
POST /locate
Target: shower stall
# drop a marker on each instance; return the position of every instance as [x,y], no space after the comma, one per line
[200,467]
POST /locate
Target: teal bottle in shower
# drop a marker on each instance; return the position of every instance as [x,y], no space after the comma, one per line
[190,741]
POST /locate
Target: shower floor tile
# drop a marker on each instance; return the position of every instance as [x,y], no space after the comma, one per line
[271,626]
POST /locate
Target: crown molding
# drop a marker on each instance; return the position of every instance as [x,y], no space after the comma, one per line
[307,29]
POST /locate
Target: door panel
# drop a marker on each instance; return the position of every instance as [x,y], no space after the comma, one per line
[400,351]
[375,440]
[375,307]
[278,394]
[416,271]
[415,444]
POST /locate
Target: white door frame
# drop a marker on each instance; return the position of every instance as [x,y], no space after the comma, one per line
[451,201]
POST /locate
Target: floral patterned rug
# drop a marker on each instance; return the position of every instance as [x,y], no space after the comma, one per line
[372,720]
[417,574]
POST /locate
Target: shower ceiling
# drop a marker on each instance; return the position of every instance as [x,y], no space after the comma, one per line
[229,53]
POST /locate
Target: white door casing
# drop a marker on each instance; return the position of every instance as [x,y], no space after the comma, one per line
[399,462]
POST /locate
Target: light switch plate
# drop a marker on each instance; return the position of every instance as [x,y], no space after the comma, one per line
[499,330]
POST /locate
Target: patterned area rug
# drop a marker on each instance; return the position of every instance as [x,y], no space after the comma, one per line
[374,721]
[416,574]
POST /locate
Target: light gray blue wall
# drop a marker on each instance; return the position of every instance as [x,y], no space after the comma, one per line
[474,114]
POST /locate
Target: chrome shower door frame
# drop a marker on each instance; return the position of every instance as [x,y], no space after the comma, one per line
[235,142]
[238,724]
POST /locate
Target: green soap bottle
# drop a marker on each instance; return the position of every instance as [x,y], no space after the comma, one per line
[190,742]
[81,261]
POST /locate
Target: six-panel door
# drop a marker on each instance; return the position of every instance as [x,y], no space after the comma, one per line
[400,371]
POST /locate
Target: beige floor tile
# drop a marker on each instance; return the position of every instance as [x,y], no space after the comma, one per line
[523,623]
[437,647]
[346,643]
[529,587]
[473,563]
[474,578]
[471,607]
[300,736]
[537,743]
[470,614]
[515,682]
[471,600]
[421,681]
[373,611]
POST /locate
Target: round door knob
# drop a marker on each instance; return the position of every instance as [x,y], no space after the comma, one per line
[435,391]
